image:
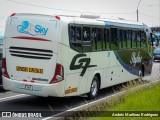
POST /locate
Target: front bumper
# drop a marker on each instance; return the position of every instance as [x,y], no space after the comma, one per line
[156,57]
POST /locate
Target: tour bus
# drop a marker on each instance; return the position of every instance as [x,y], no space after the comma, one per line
[63,56]
[1,48]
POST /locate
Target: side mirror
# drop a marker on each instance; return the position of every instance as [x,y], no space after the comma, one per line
[152,39]
[157,40]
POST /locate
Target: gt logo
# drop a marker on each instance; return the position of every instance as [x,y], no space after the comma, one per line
[84,63]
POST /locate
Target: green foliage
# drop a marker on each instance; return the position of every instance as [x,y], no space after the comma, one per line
[143,100]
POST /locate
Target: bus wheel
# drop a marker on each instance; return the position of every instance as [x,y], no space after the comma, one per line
[140,74]
[94,88]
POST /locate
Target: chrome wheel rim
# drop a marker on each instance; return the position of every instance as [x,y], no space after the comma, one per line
[94,88]
[140,75]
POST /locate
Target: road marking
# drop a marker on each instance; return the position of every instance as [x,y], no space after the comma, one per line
[12,97]
[56,116]
[46,118]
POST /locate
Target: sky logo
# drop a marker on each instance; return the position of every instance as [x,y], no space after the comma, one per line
[30,29]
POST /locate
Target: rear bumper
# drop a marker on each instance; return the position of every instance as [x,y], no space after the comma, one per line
[43,90]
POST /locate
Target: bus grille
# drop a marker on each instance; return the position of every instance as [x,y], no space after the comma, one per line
[32,53]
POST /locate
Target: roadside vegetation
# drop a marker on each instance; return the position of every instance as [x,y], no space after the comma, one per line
[145,99]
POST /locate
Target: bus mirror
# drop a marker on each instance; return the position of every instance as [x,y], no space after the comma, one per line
[157,40]
[152,39]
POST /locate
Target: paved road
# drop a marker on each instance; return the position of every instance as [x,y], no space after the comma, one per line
[155,72]
[10,101]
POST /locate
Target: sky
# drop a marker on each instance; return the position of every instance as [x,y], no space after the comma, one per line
[149,10]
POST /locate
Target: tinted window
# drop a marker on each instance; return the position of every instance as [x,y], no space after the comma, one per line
[134,39]
[106,43]
[86,34]
[138,39]
[99,39]
[75,38]
[143,39]
[86,39]
[129,38]
[114,39]
[93,38]
[120,39]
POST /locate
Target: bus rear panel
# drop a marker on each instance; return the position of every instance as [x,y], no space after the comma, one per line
[30,56]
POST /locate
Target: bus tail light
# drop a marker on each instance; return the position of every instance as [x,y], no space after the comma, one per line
[58,17]
[4,68]
[13,14]
[58,75]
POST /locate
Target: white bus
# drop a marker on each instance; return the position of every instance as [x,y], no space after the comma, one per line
[68,56]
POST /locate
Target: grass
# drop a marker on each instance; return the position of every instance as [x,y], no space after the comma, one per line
[143,100]
[146,99]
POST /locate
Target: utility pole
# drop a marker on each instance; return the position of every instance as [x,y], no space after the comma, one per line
[159,14]
[137,16]
[138,11]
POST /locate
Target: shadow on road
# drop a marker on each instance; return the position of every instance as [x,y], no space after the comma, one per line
[1,89]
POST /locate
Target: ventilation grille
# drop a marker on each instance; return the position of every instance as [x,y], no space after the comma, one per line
[31,53]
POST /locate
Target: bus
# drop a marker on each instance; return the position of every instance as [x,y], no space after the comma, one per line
[1,48]
[63,56]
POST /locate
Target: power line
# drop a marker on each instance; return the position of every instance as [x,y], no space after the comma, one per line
[62,9]
[149,15]
[119,13]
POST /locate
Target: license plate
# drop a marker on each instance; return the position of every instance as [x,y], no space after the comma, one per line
[29,87]
[29,69]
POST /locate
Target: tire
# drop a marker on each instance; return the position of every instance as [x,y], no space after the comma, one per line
[140,75]
[94,89]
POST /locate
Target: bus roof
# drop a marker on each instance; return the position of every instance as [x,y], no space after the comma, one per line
[108,22]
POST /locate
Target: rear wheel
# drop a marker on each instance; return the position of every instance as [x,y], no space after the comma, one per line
[141,73]
[94,88]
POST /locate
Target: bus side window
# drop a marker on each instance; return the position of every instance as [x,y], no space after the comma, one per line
[86,34]
[106,43]
[114,38]
[78,33]
[99,39]
[120,39]
[143,39]
[86,39]
[134,39]
[93,39]
[75,38]
[72,33]
[125,39]
[138,39]
[129,37]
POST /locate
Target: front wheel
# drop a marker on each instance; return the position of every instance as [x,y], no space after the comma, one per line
[94,88]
